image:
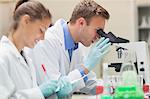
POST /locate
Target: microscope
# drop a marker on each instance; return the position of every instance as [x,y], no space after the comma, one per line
[120,46]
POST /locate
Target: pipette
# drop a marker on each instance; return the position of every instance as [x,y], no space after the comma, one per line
[72,82]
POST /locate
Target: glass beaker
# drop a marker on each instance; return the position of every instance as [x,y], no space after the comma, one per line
[128,69]
[128,61]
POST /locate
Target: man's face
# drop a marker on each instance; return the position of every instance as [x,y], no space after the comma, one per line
[88,32]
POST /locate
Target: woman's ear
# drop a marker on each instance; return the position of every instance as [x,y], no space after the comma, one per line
[25,19]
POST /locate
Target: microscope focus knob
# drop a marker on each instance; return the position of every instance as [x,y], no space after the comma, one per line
[142,69]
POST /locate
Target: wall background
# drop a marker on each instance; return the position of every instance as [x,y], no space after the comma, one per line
[123,20]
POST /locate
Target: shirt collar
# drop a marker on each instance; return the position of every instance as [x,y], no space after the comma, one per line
[69,42]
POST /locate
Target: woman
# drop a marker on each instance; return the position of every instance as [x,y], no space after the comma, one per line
[17,75]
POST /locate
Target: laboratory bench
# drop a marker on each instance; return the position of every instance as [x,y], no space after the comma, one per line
[81,96]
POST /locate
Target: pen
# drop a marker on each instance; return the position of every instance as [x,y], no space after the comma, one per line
[45,72]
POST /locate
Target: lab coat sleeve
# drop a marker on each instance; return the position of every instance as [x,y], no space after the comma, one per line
[9,91]
[88,87]
[90,84]
[75,74]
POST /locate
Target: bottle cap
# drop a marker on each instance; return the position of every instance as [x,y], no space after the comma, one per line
[99,89]
[145,88]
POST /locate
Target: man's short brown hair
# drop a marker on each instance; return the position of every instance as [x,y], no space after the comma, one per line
[87,9]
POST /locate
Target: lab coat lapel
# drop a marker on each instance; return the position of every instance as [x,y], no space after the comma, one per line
[66,52]
[60,34]
[23,62]
[6,42]
[31,69]
[27,66]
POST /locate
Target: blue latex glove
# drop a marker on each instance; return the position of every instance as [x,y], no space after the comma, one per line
[65,87]
[96,53]
[48,88]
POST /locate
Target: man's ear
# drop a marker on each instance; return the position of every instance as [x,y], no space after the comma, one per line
[81,21]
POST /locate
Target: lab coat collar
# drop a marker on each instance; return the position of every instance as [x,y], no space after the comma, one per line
[58,34]
[69,42]
[8,44]
[57,28]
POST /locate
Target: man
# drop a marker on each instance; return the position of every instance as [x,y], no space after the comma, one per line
[61,55]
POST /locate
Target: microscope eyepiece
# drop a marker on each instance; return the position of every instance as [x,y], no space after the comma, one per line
[111,36]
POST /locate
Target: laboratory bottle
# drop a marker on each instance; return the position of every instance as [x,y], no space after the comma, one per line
[99,87]
[146,90]
[106,79]
[109,81]
[99,91]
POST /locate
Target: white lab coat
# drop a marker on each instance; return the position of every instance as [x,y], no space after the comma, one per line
[17,79]
[51,52]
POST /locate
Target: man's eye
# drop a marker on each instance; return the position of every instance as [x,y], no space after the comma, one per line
[42,30]
[99,28]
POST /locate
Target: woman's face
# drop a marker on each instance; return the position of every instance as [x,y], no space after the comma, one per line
[35,31]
